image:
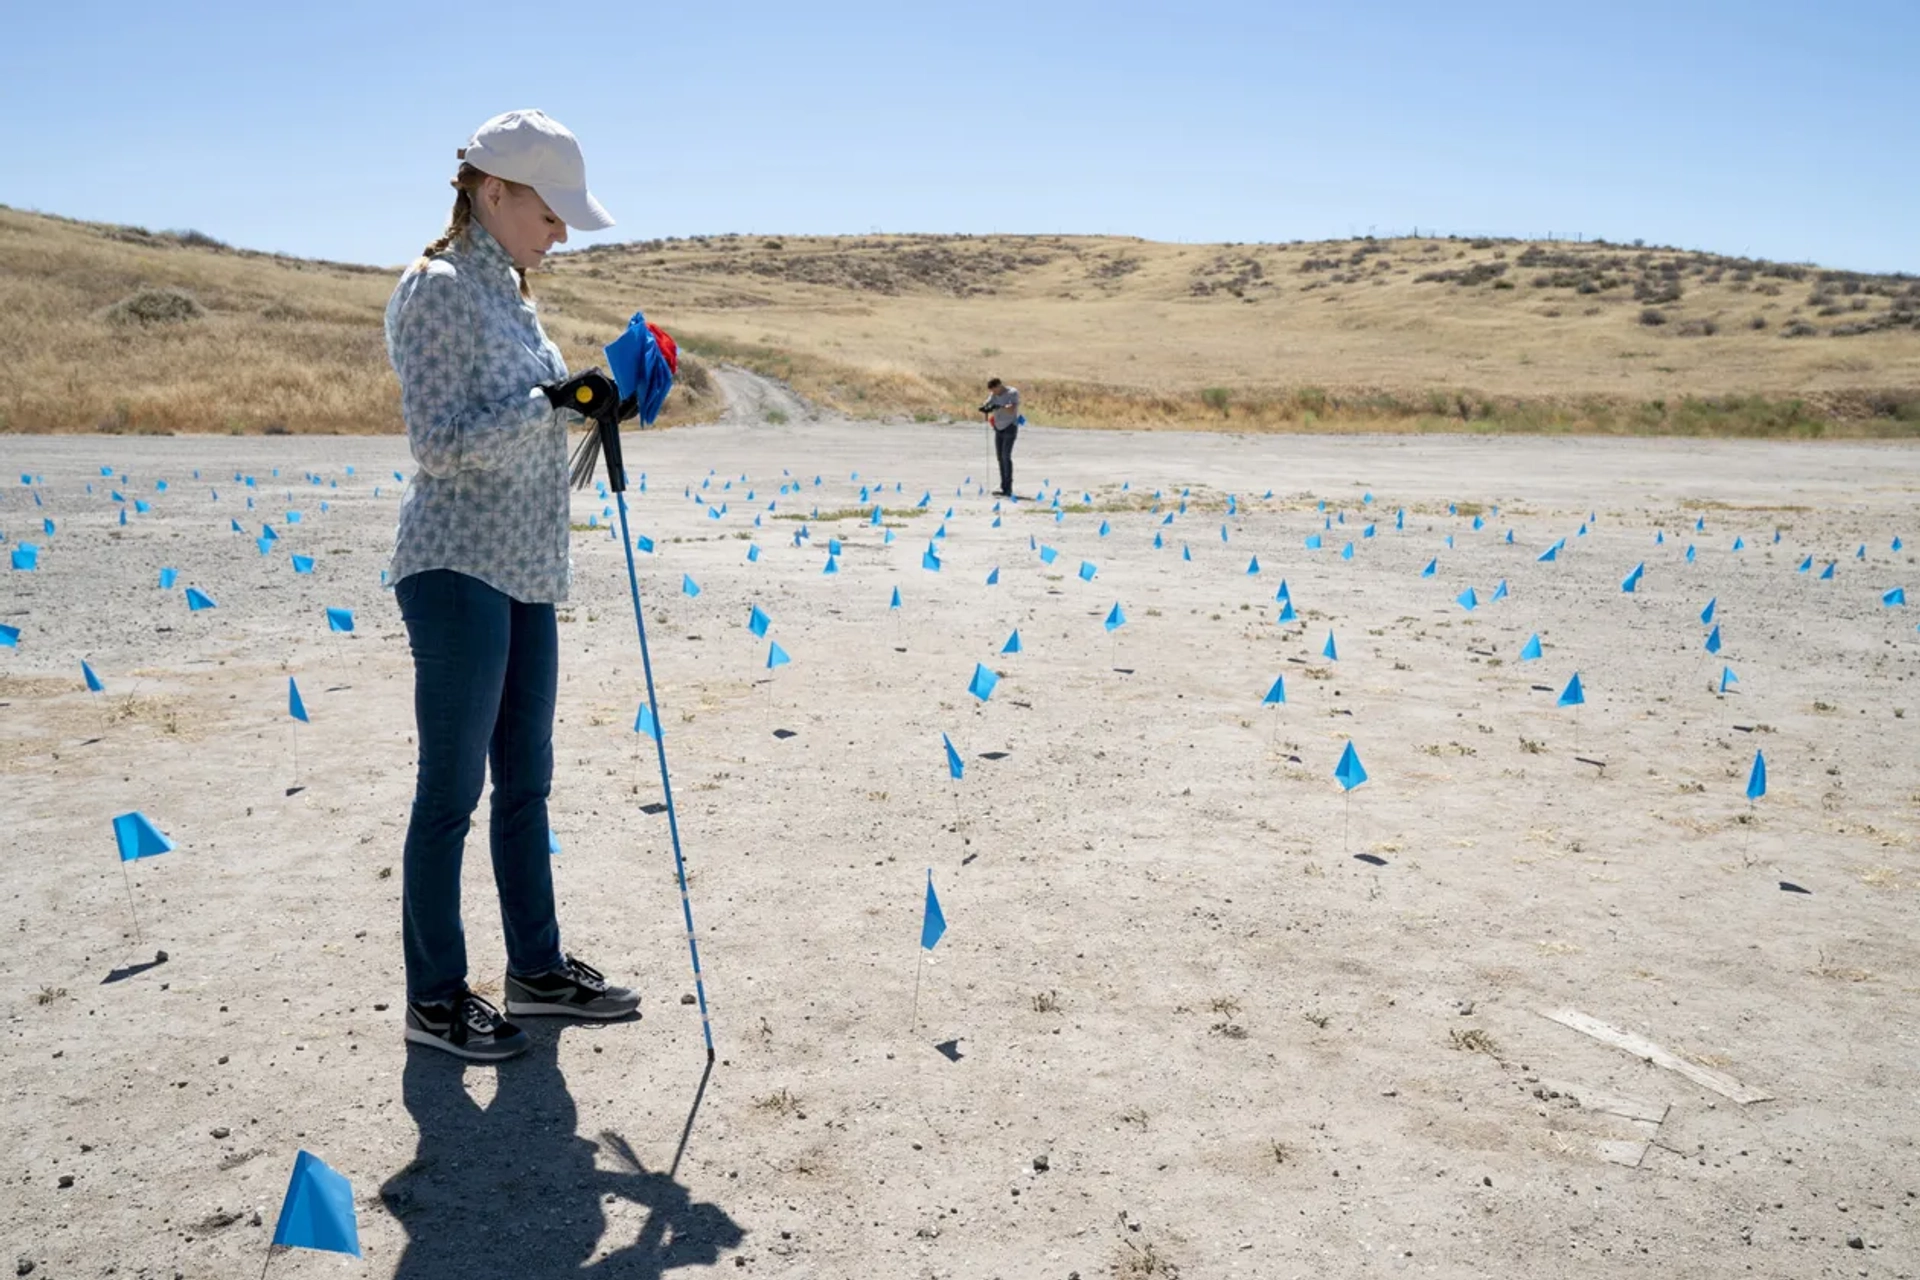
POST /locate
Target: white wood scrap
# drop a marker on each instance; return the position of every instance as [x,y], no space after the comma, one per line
[1641,1047]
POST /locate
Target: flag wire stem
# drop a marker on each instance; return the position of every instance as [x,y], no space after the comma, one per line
[138,939]
[919,967]
[666,785]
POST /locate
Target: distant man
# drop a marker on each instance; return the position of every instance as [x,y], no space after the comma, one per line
[1003,415]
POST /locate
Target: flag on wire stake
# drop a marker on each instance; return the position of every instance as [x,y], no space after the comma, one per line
[933,926]
[317,1212]
[1349,773]
[983,682]
[1756,787]
[137,838]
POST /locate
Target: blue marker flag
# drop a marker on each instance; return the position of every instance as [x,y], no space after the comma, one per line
[776,656]
[1350,772]
[1313,542]
[641,542]
[1048,555]
[9,637]
[1896,596]
[1706,614]
[1286,612]
[318,1210]
[757,621]
[198,600]
[1116,617]
[1531,649]
[933,922]
[688,586]
[983,682]
[1087,570]
[954,766]
[138,837]
[1013,642]
[1277,694]
[1805,565]
[1757,780]
[1573,695]
[1550,554]
[645,723]
[895,602]
[1727,677]
[295,706]
[930,559]
[1433,567]
[753,553]
[93,681]
[303,564]
[1827,573]
[26,557]
[993,578]
[1328,651]
[832,565]
[1500,592]
[1468,600]
[166,579]
[1713,640]
[339,619]
[641,370]
[1253,565]
[1346,552]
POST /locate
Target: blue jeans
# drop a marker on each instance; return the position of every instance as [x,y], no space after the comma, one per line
[485,671]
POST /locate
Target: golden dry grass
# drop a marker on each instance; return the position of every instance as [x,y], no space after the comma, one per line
[1409,335]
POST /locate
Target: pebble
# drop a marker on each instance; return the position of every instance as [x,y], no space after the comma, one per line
[23,1267]
[221,1131]
[687,998]
[1040,1164]
[223,1060]
[66,1180]
[159,957]
[1853,1242]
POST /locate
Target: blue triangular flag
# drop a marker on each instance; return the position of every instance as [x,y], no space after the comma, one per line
[1690,553]
[993,578]
[1013,642]
[1087,570]
[318,1210]
[235,524]
[339,619]
[1350,772]
[9,637]
[753,553]
[93,681]
[26,557]
[295,706]
[1105,529]
[1186,552]
[930,560]
[1531,649]
[1896,596]
[1253,565]
[776,656]
[1286,612]
[1328,650]
[646,723]
[1827,573]
[1277,694]
[138,837]
[1346,552]
[1805,565]
[1706,614]
[1739,544]
[757,621]
[1500,592]
[1468,600]
[954,766]
[1116,617]
[1047,555]
[1313,542]
[832,566]
[1757,780]
[1631,582]
[894,603]
[266,531]
[198,599]
[1573,695]
[1713,640]
[1700,524]
[981,686]
[1551,553]
[933,921]
[303,564]
[166,578]
[688,586]
[1727,677]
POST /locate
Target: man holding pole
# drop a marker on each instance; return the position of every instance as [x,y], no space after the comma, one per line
[1003,415]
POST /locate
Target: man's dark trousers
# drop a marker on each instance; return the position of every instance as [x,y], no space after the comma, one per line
[1003,450]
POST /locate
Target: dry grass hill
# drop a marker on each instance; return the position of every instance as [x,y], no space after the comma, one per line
[120,329]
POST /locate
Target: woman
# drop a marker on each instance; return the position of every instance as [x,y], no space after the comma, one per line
[479,562]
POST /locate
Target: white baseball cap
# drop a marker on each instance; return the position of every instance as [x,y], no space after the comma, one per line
[532,148]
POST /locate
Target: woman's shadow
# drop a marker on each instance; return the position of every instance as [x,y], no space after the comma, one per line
[511,1190]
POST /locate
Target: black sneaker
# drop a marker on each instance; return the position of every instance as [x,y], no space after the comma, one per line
[575,989]
[469,1027]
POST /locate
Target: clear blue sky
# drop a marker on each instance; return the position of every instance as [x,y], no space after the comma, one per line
[1774,128]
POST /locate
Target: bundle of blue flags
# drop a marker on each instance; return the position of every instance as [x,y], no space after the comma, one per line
[643,361]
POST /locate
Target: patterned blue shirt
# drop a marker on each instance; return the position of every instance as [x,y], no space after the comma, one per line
[490,497]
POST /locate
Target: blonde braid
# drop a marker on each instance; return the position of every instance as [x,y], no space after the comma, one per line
[460,220]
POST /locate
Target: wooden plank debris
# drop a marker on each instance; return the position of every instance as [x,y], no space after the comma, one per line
[1641,1047]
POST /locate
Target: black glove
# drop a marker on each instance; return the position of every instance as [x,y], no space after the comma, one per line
[985,408]
[587,394]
